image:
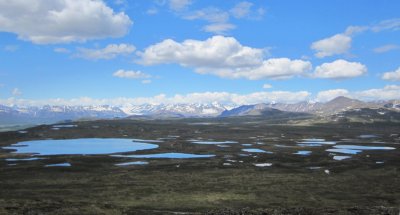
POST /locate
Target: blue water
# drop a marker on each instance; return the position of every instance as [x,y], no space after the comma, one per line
[317,143]
[364,147]
[314,140]
[132,163]
[24,159]
[314,167]
[339,157]
[345,151]
[58,164]
[147,141]
[253,150]
[80,146]
[303,153]
[355,149]
[262,164]
[282,146]
[166,155]
[224,146]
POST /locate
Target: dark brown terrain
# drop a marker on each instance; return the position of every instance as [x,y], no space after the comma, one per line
[229,183]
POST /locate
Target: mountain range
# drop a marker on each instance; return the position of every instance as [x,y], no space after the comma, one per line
[49,114]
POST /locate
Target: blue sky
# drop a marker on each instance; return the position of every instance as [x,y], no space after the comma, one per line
[177,51]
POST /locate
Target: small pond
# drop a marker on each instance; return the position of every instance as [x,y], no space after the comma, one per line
[254,150]
[302,153]
[132,163]
[59,164]
[88,146]
[355,149]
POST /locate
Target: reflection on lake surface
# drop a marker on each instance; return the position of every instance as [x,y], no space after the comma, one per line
[365,136]
[79,146]
[303,153]
[339,157]
[58,164]
[132,163]
[262,164]
[355,149]
[24,159]
[224,146]
[345,151]
[364,147]
[166,155]
[315,142]
[147,141]
[256,150]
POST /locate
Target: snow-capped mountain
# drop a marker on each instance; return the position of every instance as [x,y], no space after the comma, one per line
[334,106]
[394,104]
[49,114]
[185,110]
[338,104]
[248,110]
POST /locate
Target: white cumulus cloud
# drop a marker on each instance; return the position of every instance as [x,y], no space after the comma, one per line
[147,81]
[152,11]
[340,69]
[387,93]
[178,5]
[224,57]
[61,50]
[61,21]
[386,48]
[218,20]
[267,86]
[392,76]
[109,52]
[274,68]
[241,9]
[202,97]
[389,24]
[16,92]
[210,14]
[219,28]
[131,74]
[337,44]
[215,52]
[11,48]
[341,43]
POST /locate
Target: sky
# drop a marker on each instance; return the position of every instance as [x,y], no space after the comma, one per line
[92,52]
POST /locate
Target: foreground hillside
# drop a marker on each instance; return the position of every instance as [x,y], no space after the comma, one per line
[260,165]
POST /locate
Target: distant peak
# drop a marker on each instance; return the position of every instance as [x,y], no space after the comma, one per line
[342,99]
